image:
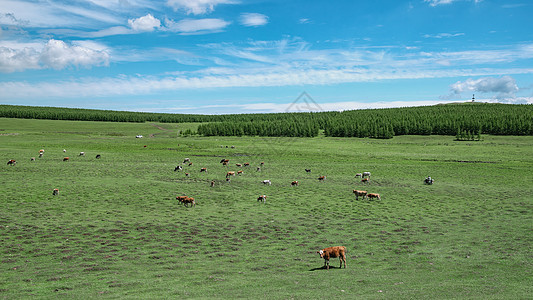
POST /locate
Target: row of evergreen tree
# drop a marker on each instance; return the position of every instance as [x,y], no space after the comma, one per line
[449,119]
[288,128]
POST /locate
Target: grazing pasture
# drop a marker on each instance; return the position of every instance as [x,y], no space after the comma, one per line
[116,229]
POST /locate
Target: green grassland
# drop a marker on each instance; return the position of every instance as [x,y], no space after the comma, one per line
[116,230]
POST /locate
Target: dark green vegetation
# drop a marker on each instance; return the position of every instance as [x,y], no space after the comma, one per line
[116,231]
[482,118]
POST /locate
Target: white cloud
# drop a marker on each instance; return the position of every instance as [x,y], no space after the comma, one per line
[441,2]
[504,87]
[146,23]
[253,19]
[196,26]
[443,35]
[197,7]
[15,60]
[54,54]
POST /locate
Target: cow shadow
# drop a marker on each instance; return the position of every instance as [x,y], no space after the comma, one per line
[324,268]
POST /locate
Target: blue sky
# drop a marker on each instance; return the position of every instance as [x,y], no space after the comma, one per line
[250,56]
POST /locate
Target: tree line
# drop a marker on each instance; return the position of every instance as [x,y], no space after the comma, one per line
[446,119]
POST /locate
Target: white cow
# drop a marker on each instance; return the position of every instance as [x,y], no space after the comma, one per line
[267,182]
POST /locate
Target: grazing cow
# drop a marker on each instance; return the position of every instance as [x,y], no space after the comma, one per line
[189,200]
[359,194]
[55,192]
[365,180]
[32,159]
[178,168]
[187,174]
[224,161]
[262,163]
[186,160]
[11,162]
[66,159]
[41,154]
[82,154]
[64,150]
[262,198]
[429,180]
[258,169]
[232,147]
[238,165]
[373,195]
[230,173]
[98,156]
[366,174]
[359,175]
[294,183]
[266,182]
[308,170]
[321,178]
[239,172]
[332,252]
[186,200]
[203,170]
[246,164]
[41,151]
[190,164]
[228,179]
[212,183]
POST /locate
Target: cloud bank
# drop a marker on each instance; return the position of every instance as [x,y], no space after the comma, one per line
[55,54]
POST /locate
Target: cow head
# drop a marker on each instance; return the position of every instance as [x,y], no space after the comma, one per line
[321,252]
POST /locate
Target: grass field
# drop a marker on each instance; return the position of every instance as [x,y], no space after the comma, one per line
[116,230]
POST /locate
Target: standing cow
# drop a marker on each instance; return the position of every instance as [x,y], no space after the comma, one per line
[332,252]
[359,194]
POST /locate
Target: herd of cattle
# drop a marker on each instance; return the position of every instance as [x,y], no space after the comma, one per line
[13,162]
[326,254]
[185,200]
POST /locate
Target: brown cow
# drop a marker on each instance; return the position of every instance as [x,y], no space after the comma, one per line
[186,200]
[322,178]
[359,194]
[240,172]
[294,183]
[55,192]
[11,162]
[212,183]
[189,200]
[66,159]
[224,161]
[332,252]
[246,164]
[365,180]
[238,165]
[203,170]
[373,195]
[262,198]
[230,173]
